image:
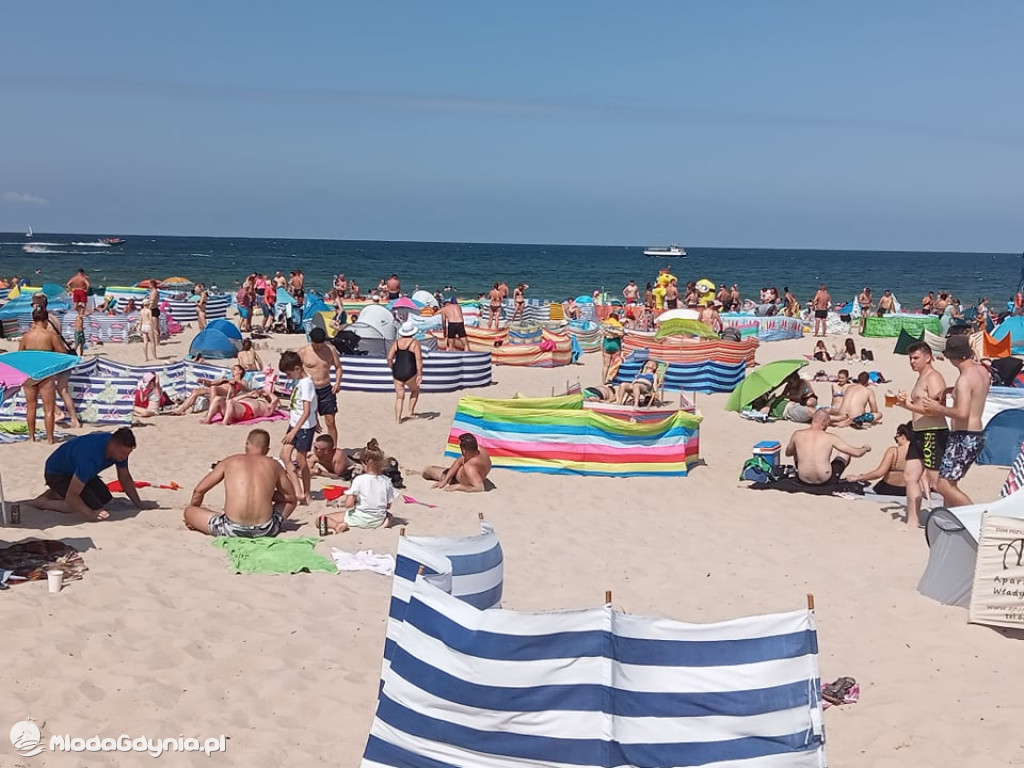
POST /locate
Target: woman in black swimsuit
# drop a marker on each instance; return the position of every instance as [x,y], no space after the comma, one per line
[406,361]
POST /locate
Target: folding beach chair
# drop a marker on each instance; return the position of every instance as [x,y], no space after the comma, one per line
[657,394]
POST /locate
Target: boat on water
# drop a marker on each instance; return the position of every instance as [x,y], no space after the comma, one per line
[112,240]
[665,250]
[29,233]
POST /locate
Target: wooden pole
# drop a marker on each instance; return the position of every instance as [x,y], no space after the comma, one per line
[479,515]
[607,597]
[419,571]
[810,601]
[401,531]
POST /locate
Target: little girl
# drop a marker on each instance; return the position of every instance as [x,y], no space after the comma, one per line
[369,499]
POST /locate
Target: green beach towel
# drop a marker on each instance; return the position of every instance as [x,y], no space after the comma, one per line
[274,555]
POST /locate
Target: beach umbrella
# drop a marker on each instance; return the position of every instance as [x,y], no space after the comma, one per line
[404,302]
[761,381]
[176,281]
[683,327]
[678,314]
[39,365]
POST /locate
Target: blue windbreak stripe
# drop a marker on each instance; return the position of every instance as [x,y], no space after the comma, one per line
[477,562]
[600,643]
[388,754]
[407,568]
[484,600]
[598,698]
[589,752]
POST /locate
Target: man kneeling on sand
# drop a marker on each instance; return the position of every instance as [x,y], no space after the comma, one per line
[467,473]
[258,496]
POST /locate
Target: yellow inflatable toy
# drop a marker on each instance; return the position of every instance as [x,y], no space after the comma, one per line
[706,289]
[665,277]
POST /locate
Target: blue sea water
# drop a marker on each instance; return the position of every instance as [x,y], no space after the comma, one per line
[552,271]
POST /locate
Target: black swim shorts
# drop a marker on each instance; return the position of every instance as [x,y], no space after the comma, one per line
[456,331]
[821,314]
[326,400]
[95,494]
[928,446]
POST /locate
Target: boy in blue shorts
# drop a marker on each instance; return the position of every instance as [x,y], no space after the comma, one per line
[302,424]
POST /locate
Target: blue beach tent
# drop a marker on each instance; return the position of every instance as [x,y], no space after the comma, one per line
[1004,435]
[226,327]
[1014,327]
[211,343]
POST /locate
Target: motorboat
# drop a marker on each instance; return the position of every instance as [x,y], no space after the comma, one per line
[112,240]
[673,250]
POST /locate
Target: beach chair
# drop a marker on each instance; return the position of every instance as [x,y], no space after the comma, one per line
[657,394]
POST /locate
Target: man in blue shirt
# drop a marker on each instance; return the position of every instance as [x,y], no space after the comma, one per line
[72,474]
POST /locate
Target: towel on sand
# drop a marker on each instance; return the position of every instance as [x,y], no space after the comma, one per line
[364,560]
[274,555]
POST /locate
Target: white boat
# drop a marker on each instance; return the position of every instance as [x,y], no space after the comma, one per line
[665,250]
[29,233]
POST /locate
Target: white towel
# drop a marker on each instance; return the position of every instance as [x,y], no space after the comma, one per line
[364,560]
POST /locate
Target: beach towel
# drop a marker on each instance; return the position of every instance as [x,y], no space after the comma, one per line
[17,432]
[363,560]
[274,555]
[27,560]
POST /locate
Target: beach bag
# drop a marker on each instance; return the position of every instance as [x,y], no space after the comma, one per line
[758,469]
[392,472]
[867,355]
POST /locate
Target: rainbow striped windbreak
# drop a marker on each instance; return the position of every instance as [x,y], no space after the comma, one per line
[556,435]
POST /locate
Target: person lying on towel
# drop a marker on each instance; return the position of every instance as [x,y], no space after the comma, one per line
[812,448]
[258,495]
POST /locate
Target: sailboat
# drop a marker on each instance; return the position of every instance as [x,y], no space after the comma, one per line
[29,233]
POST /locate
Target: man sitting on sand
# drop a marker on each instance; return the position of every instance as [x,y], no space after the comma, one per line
[858,407]
[812,447]
[72,474]
[258,496]
[467,473]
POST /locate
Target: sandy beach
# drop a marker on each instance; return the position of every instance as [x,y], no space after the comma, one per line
[160,638]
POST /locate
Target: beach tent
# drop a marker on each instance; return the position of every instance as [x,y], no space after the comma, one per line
[226,327]
[213,344]
[904,341]
[424,299]
[1004,435]
[995,349]
[1012,327]
[952,536]
[286,311]
[379,318]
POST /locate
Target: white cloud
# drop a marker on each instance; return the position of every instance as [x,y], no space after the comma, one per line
[25,199]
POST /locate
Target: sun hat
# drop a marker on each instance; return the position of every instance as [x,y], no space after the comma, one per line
[958,348]
[147,377]
[407,329]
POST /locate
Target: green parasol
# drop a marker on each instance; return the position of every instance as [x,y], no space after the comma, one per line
[760,381]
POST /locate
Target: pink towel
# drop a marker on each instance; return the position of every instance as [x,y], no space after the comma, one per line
[275,416]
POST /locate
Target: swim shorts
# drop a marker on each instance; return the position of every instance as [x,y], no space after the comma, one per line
[155,312]
[95,494]
[303,440]
[821,314]
[326,400]
[244,312]
[392,295]
[79,296]
[456,331]
[928,446]
[864,418]
[80,339]
[801,414]
[961,452]
[222,525]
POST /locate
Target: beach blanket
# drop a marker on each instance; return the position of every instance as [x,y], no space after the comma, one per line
[275,416]
[363,560]
[27,560]
[274,555]
[17,432]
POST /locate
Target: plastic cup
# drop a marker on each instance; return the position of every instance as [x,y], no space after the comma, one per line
[55,580]
[890,399]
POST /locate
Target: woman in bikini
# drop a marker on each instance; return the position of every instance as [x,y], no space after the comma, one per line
[406,360]
[642,385]
[149,397]
[244,407]
[889,471]
[149,330]
[215,388]
[247,357]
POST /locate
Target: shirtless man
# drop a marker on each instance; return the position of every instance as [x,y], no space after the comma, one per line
[153,300]
[930,432]
[519,302]
[280,281]
[812,448]
[317,359]
[820,304]
[467,473]
[62,381]
[328,459]
[966,437]
[494,316]
[40,337]
[885,304]
[78,287]
[631,292]
[672,294]
[927,302]
[865,301]
[453,325]
[858,407]
[258,496]
[394,286]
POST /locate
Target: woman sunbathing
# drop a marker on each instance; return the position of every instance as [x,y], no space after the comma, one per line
[643,384]
[215,388]
[244,407]
[889,472]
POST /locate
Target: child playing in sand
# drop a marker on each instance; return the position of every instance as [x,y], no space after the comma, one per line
[302,423]
[369,499]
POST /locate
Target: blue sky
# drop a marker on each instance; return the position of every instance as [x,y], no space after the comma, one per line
[776,124]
